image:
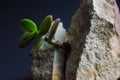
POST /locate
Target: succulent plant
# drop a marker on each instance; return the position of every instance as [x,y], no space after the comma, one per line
[31,32]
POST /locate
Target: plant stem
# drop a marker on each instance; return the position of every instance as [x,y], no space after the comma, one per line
[56,44]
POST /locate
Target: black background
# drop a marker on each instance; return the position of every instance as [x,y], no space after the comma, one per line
[14,61]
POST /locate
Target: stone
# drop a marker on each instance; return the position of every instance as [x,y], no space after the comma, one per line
[42,64]
[94,36]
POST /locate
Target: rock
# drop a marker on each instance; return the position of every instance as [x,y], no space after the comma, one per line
[42,64]
[94,36]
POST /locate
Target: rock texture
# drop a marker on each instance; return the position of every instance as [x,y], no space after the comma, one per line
[42,64]
[94,37]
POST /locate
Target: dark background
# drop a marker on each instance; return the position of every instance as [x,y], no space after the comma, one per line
[14,62]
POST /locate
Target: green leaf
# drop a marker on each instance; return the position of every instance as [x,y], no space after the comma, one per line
[36,46]
[26,38]
[28,25]
[53,29]
[45,25]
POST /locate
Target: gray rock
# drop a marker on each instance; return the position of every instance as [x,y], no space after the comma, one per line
[94,37]
[42,64]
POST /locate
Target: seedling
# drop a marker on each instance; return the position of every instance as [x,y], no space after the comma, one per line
[31,32]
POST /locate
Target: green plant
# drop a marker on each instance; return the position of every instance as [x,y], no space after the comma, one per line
[31,32]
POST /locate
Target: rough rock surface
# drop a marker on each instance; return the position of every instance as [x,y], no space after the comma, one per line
[42,63]
[94,36]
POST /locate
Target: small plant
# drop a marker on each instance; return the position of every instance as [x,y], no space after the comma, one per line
[31,32]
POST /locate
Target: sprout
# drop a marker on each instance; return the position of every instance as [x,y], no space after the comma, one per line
[31,32]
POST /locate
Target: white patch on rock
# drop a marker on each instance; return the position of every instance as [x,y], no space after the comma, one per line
[104,10]
[60,34]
